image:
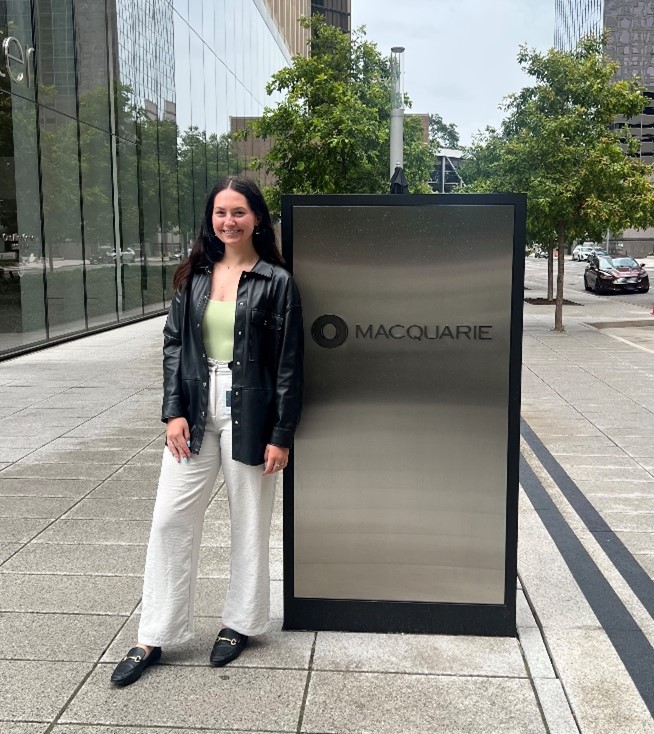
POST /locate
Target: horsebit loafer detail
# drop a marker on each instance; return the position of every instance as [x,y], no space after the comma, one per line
[227,647]
[130,668]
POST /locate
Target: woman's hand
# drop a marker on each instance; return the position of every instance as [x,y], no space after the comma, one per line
[177,438]
[275,458]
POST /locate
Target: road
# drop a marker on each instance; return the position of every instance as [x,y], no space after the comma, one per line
[536,277]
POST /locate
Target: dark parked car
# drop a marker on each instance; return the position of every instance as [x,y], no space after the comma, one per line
[613,275]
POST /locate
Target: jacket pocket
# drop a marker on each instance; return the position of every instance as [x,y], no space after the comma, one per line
[265,333]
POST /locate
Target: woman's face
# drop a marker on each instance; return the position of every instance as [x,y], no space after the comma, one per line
[232,219]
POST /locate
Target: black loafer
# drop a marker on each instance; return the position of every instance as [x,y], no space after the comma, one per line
[227,647]
[131,667]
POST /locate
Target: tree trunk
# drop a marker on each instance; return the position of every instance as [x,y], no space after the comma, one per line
[550,272]
[558,309]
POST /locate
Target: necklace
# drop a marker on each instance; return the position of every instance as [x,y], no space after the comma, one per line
[247,266]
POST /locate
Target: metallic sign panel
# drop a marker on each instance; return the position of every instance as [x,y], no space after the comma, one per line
[400,459]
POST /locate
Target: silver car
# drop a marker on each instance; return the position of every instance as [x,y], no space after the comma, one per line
[582,252]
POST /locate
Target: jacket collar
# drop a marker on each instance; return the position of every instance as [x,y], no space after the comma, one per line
[263,268]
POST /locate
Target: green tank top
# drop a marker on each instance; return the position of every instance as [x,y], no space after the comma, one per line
[218,330]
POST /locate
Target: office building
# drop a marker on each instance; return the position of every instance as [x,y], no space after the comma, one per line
[631,44]
[115,119]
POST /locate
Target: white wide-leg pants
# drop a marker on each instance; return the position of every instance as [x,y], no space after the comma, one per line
[174,547]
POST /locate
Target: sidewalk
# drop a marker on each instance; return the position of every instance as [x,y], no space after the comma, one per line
[79,459]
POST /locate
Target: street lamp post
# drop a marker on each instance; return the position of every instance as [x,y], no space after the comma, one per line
[397,108]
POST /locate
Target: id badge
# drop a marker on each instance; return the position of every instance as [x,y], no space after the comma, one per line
[228,401]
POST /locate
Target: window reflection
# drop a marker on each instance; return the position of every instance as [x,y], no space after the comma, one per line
[128,260]
[56,56]
[22,309]
[99,240]
[62,223]
[152,248]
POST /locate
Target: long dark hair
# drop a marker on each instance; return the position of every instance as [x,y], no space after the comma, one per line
[209,249]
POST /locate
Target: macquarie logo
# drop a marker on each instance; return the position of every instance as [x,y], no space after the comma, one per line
[331,331]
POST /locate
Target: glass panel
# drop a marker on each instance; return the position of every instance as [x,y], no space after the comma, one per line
[169,198]
[212,117]
[195,16]
[92,71]
[56,55]
[99,238]
[22,309]
[62,223]
[17,61]
[130,303]
[196,139]
[218,42]
[151,261]
[181,7]
[125,68]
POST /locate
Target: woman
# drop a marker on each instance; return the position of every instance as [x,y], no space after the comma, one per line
[233,347]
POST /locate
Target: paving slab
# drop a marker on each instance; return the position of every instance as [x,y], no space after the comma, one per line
[89,560]
[57,637]
[70,443]
[637,542]
[10,454]
[98,455]
[601,693]
[554,704]
[34,507]
[535,652]
[647,562]
[389,703]
[20,529]
[61,471]
[8,727]
[8,549]
[240,698]
[275,649]
[435,654]
[623,504]
[74,488]
[550,584]
[112,595]
[36,691]
[86,729]
[611,489]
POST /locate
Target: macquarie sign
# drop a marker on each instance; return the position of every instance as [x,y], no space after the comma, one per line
[401,500]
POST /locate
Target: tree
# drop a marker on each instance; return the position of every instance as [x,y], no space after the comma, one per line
[443,135]
[558,144]
[330,133]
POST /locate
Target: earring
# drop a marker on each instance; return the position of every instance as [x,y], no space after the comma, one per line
[256,230]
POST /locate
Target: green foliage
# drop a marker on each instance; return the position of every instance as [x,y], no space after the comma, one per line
[330,134]
[558,145]
[442,134]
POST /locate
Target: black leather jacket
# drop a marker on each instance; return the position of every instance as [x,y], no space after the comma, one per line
[267,372]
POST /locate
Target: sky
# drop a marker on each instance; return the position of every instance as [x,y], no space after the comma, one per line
[460,55]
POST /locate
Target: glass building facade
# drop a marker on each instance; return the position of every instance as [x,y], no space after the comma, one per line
[574,19]
[115,119]
[631,43]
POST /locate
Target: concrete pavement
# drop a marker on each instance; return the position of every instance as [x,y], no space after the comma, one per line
[79,458]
